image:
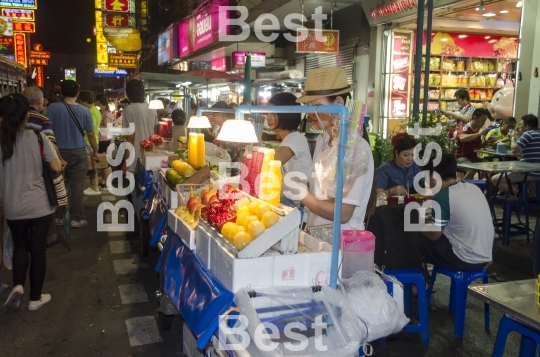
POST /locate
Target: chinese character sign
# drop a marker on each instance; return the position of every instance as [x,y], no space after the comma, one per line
[119,20]
[22,26]
[123,60]
[400,86]
[125,6]
[39,62]
[19,14]
[6,41]
[20,48]
[40,77]
[310,43]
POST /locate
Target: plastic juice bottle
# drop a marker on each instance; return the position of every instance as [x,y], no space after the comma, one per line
[245,172]
[274,191]
[268,156]
[192,149]
[201,152]
[256,171]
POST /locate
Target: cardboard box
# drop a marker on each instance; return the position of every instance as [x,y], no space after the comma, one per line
[188,235]
[152,159]
[101,163]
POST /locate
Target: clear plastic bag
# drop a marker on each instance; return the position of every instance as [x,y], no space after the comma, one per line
[8,248]
[368,295]
[215,154]
[328,326]
[355,163]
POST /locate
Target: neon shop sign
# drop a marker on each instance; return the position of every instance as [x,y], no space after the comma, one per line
[393,8]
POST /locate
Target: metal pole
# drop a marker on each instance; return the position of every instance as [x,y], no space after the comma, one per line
[428,54]
[418,58]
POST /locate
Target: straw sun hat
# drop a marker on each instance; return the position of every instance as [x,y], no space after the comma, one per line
[325,82]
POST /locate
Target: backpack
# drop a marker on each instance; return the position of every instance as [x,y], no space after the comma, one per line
[394,248]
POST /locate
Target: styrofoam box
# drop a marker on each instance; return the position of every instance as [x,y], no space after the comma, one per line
[188,235]
[153,159]
[301,269]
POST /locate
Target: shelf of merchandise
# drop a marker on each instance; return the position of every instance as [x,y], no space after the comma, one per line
[465,71]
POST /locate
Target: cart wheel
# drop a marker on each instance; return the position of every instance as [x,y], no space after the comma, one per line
[165,321]
[145,237]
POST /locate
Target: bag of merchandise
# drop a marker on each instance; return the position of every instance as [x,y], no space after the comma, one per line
[368,295]
[215,154]
[298,321]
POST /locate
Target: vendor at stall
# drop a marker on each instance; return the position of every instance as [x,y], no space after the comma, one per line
[326,86]
[293,151]
[396,176]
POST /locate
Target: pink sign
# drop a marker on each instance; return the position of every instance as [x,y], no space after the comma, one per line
[473,45]
[258,59]
[401,69]
[201,29]
[219,65]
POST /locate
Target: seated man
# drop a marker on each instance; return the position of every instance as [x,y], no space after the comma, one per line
[469,139]
[529,146]
[463,239]
[500,134]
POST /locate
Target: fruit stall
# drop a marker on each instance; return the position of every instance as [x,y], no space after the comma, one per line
[218,237]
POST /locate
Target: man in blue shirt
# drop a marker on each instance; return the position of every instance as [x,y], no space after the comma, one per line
[72,145]
[529,147]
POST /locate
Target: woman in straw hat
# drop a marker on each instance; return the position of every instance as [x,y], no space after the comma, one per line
[326,86]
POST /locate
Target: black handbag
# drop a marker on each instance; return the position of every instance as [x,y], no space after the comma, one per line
[54,183]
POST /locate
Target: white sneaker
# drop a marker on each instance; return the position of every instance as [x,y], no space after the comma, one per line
[14,298]
[90,192]
[34,305]
[78,223]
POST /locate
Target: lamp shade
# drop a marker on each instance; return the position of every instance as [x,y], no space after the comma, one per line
[199,122]
[238,131]
[156,104]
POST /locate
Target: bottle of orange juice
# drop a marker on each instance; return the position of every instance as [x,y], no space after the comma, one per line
[201,152]
[192,149]
[268,156]
[274,189]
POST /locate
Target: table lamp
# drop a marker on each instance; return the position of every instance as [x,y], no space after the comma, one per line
[238,131]
[201,122]
[156,104]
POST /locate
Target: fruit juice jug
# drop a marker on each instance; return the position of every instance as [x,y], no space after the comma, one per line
[168,134]
[192,149]
[256,172]
[162,129]
[201,152]
[268,156]
[245,172]
[273,192]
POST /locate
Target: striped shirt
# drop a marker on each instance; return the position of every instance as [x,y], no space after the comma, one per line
[529,142]
[37,121]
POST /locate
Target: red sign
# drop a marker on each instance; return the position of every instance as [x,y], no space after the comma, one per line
[472,45]
[311,43]
[126,6]
[20,49]
[119,20]
[400,86]
[40,77]
[39,62]
[19,14]
[40,54]
[21,26]
[37,47]
[393,8]
[123,60]
[6,41]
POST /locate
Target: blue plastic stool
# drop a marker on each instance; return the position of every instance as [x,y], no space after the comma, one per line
[458,295]
[508,203]
[481,184]
[530,339]
[410,277]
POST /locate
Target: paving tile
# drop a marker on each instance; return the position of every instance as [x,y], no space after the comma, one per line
[132,293]
[125,266]
[143,331]
[120,246]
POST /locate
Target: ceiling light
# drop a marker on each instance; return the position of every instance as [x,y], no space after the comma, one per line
[492,41]
[196,122]
[519,4]
[489,14]
[487,37]
[504,11]
[462,36]
[239,131]
[155,104]
[480,8]
[444,39]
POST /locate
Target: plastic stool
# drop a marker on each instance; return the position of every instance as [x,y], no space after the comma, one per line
[458,295]
[410,277]
[508,203]
[530,339]
[481,184]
